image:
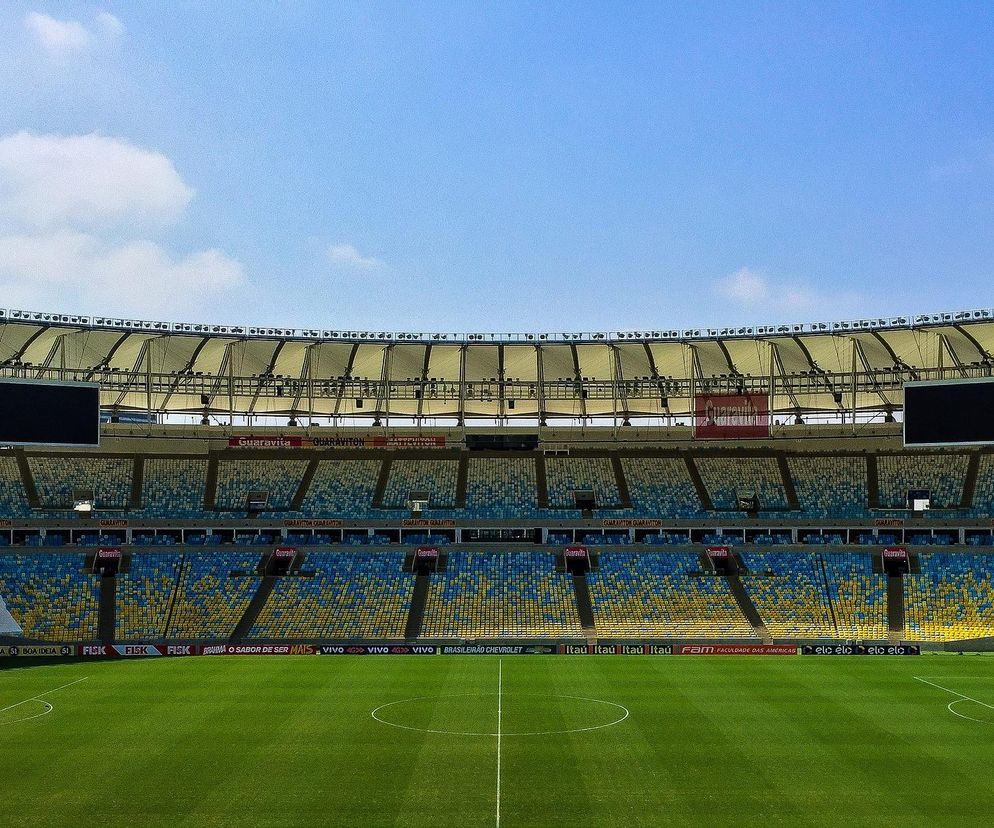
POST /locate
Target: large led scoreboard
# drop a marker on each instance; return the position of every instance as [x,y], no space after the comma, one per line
[36,413]
[949,413]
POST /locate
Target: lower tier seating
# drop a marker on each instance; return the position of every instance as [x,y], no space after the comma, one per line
[355,594]
[789,592]
[495,595]
[210,601]
[50,596]
[657,595]
[951,598]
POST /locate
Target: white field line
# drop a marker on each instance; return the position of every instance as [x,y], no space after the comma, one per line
[500,715]
[375,714]
[48,707]
[961,698]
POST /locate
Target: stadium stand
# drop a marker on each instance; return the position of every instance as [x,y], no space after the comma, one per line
[501,487]
[237,478]
[789,592]
[661,486]
[49,595]
[857,596]
[210,601]
[342,488]
[437,477]
[494,595]
[830,486]
[727,478]
[13,498]
[355,594]
[943,475]
[144,596]
[983,490]
[565,475]
[57,477]
[952,598]
[173,487]
[657,595]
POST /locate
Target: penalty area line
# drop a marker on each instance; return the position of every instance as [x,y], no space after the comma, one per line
[39,695]
[962,697]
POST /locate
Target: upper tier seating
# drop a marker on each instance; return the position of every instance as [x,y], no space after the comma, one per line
[655,595]
[353,594]
[343,488]
[13,499]
[437,477]
[951,599]
[983,491]
[49,595]
[236,478]
[56,477]
[942,474]
[727,478]
[501,595]
[830,486]
[501,487]
[173,487]
[564,475]
[661,487]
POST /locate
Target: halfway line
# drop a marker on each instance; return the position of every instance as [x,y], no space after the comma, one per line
[500,689]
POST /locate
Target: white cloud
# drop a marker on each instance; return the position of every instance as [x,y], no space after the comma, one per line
[57,36]
[745,286]
[110,24]
[67,270]
[86,180]
[61,38]
[346,256]
[78,218]
[753,290]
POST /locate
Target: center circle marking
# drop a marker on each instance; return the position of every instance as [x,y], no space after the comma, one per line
[621,713]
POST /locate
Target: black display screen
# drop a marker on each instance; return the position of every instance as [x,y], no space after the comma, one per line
[949,413]
[46,413]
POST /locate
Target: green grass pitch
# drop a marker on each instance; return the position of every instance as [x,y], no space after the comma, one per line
[291,741]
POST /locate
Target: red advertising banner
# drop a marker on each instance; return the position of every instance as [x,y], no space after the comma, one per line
[284,552]
[895,553]
[576,552]
[718,551]
[109,552]
[737,649]
[133,650]
[893,523]
[426,552]
[731,416]
[266,442]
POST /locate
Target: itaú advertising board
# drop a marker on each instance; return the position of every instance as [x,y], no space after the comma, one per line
[731,416]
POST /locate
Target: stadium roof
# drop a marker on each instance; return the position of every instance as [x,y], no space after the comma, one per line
[176,367]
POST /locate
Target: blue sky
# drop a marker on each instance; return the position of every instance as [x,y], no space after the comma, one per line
[511,166]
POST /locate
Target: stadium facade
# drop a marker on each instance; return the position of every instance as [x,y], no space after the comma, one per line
[497,515]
